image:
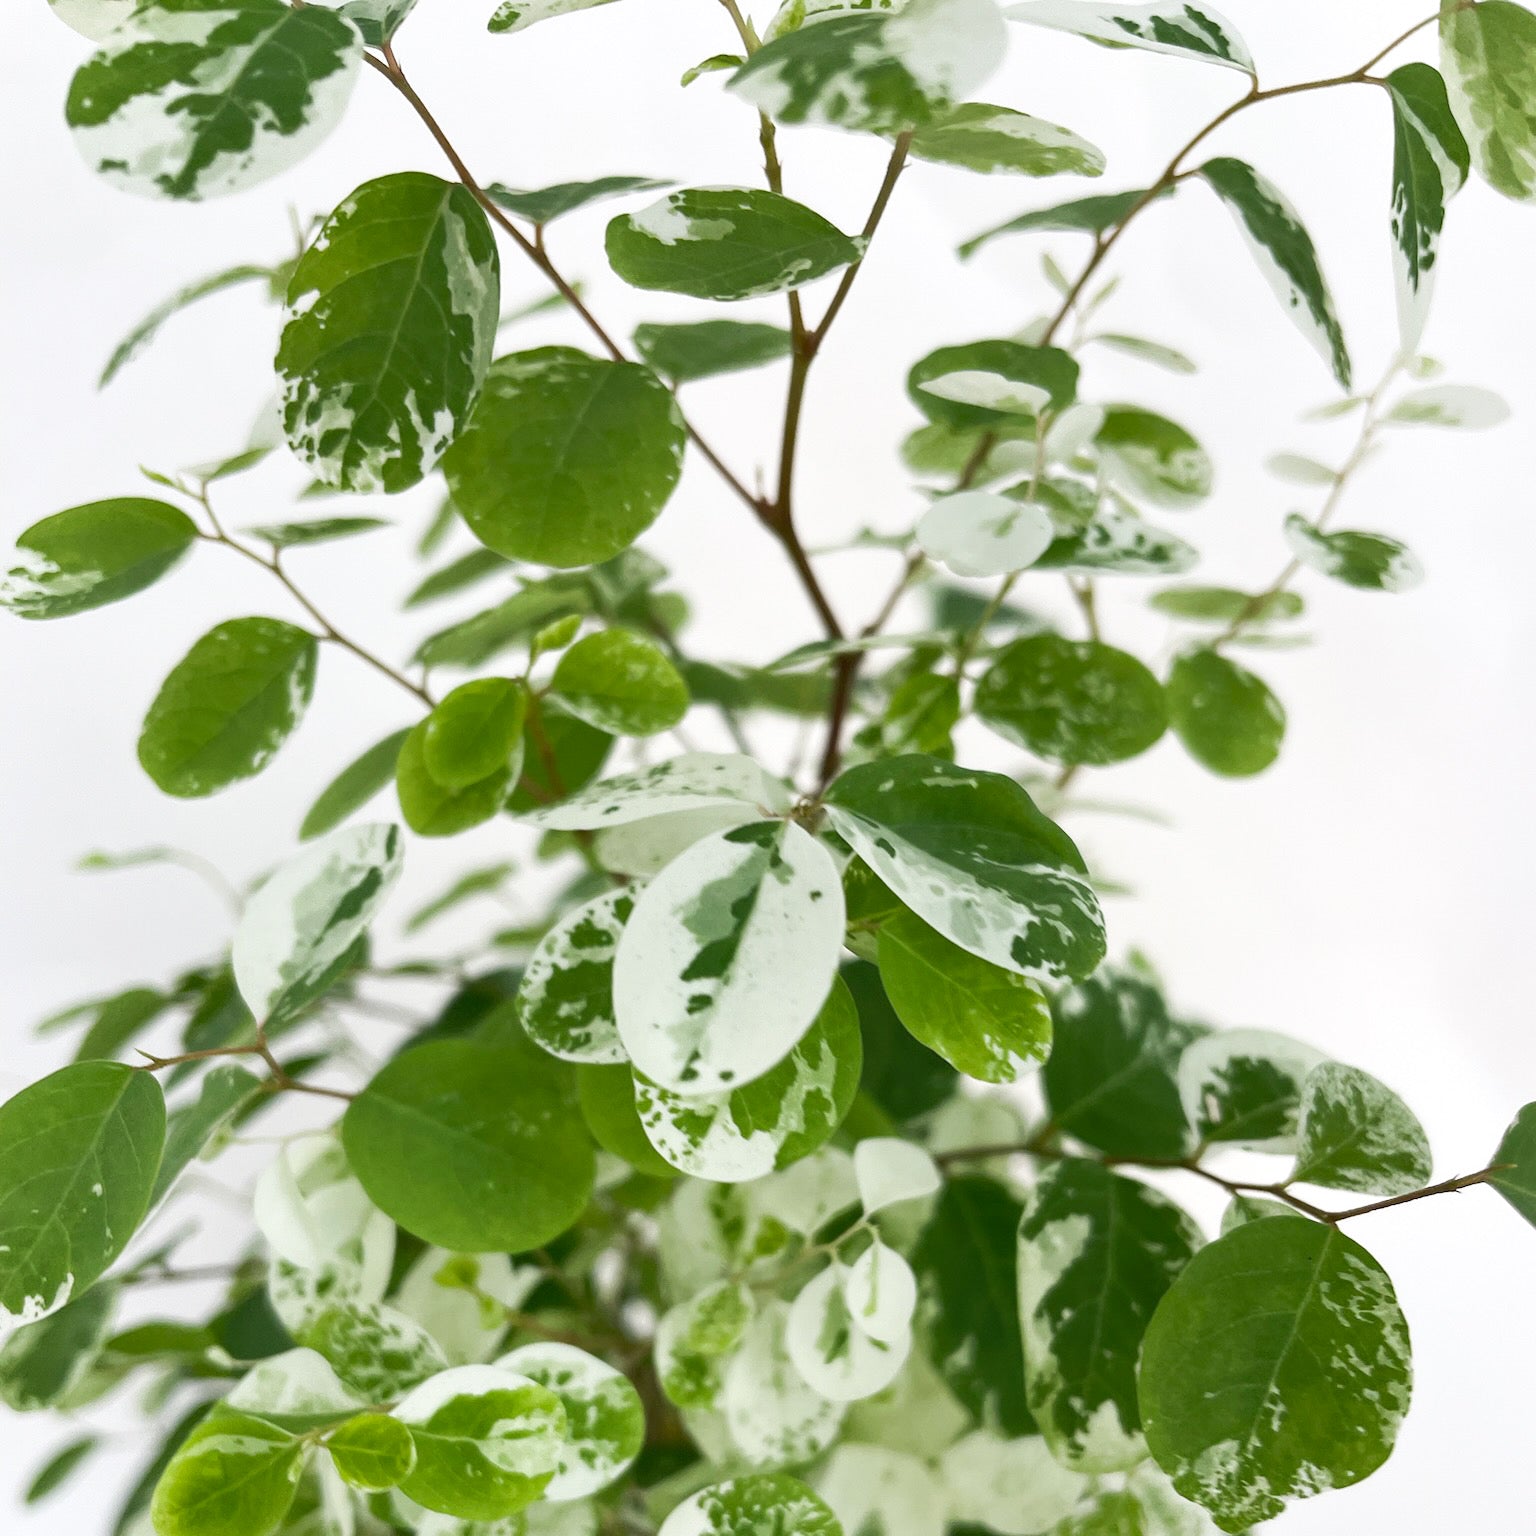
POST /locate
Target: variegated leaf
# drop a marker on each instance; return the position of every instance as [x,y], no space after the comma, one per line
[1180,27]
[1356,1134]
[566,997]
[695,781]
[1245,1086]
[775,1418]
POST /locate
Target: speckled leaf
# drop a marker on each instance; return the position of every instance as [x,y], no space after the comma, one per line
[726,243]
[42,1363]
[1227,718]
[567,459]
[1285,254]
[297,931]
[195,98]
[1115,542]
[1221,605]
[377,1352]
[696,1336]
[986,138]
[235,1474]
[1276,1368]
[622,683]
[566,997]
[1112,1077]
[1516,1181]
[92,555]
[514,15]
[786,1114]
[1244,1086]
[228,705]
[1153,457]
[728,957]
[1488,54]
[973,857]
[1370,561]
[604,1418]
[708,348]
[389,329]
[1188,30]
[978,533]
[693,781]
[770,1504]
[78,1156]
[1097,1252]
[774,1417]
[1355,1133]
[989,1023]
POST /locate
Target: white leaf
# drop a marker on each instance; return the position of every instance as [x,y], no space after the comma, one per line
[978,533]
[640,849]
[950,47]
[296,1383]
[1014,1487]
[994,391]
[1451,405]
[890,1170]
[456,1317]
[694,781]
[881,1292]
[873,1489]
[775,1418]
[836,1358]
[1072,431]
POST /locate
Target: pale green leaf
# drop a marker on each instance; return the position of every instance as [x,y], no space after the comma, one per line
[622,683]
[986,138]
[1488,55]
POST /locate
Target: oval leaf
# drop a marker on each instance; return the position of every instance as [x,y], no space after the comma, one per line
[1226,717]
[621,683]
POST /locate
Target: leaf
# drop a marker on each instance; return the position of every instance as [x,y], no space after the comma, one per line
[377,20]
[1488,56]
[903,1079]
[1516,1181]
[990,383]
[876,73]
[78,1155]
[298,931]
[228,705]
[474,641]
[372,1451]
[1245,1086]
[693,1337]
[118,1020]
[990,139]
[95,19]
[1430,164]
[565,1001]
[225,1091]
[604,1418]
[43,1362]
[708,348]
[378,1352]
[234,1475]
[476,1148]
[1007,1484]
[621,683]
[1154,457]
[1148,351]
[387,337]
[1072,701]
[1221,605]
[514,15]
[1370,561]
[726,243]
[563,761]
[1450,405]
[198,98]
[607,1093]
[485,881]
[836,1357]
[728,957]
[1115,542]
[967,1268]
[693,781]
[353,787]
[775,1417]
[989,1023]
[1285,254]
[433,808]
[1187,30]
[1088,215]
[978,533]
[93,555]
[149,327]
[59,1468]
[1227,718]
[972,856]
[1112,1077]
[487,1440]
[753,1506]
[789,1112]
[1355,1133]
[458,574]
[567,459]
[318,530]
[1276,1367]
[1097,1253]
[476,731]
[550,203]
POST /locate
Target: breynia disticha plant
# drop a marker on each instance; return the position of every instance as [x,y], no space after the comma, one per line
[782,1171]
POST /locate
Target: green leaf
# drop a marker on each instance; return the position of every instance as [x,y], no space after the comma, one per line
[1154,457]
[514,15]
[1245,1086]
[1285,254]
[118,1020]
[693,1338]
[228,705]
[990,383]
[728,957]
[1488,55]
[550,203]
[473,642]
[40,1364]
[567,459]
[565,1001]
[60,1468]
[1221,605]
[298,932]
[604,1417]
[607,1094]
[764,1504]
[149,327]
[562,762]
[78,1155]
[225,1091]
[1112,1077]
[1370,561]
[431,807]
[972,856]
[903,1079]
[197,98]
[1430,164]
[1088,215]
[476,882]
[318,530]
[726,243]
[377,20]
[1072,701]
[789,1112]
[476,566]
[621,683]
[684,353]
[1357,1134]
[235,1475]
[476,1148]
[487,1442]
[876,73]
[372,1452]
[1155,352]
[1097,1253]
[475,732]
[93,555]
[1277,1367]
[1516,1181]
[1179,27]
[989,139]
[989,1023]
[353,787]
[967,1268]
[1226,717]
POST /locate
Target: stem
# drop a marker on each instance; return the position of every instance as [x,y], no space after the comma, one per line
[279,1082]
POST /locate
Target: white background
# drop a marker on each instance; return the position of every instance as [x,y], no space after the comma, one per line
[1372,893]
